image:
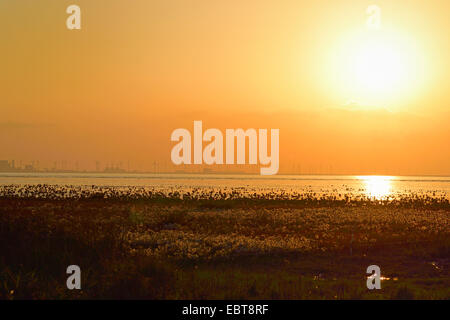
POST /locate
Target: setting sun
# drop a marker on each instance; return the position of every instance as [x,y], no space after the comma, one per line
[379,68]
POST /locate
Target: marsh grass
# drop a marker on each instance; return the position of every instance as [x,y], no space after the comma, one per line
[167,248]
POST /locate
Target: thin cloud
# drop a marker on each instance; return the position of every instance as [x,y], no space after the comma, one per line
[24,125]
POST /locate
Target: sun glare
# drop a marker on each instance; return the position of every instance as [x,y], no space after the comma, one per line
[378,68]
[377,187]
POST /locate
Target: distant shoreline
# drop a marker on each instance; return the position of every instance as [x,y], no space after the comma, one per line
[218,173]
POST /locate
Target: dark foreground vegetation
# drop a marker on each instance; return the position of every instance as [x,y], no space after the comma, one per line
[172,247]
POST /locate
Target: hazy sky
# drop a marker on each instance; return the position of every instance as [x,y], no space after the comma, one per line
[137,70]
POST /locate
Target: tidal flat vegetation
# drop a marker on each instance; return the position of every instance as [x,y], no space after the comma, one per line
[162,246]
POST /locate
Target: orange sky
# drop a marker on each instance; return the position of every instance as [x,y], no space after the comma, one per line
[115,90]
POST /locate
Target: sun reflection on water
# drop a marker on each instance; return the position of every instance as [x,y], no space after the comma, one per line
[377,187]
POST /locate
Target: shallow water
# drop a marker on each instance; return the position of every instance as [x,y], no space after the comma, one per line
[378,187]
